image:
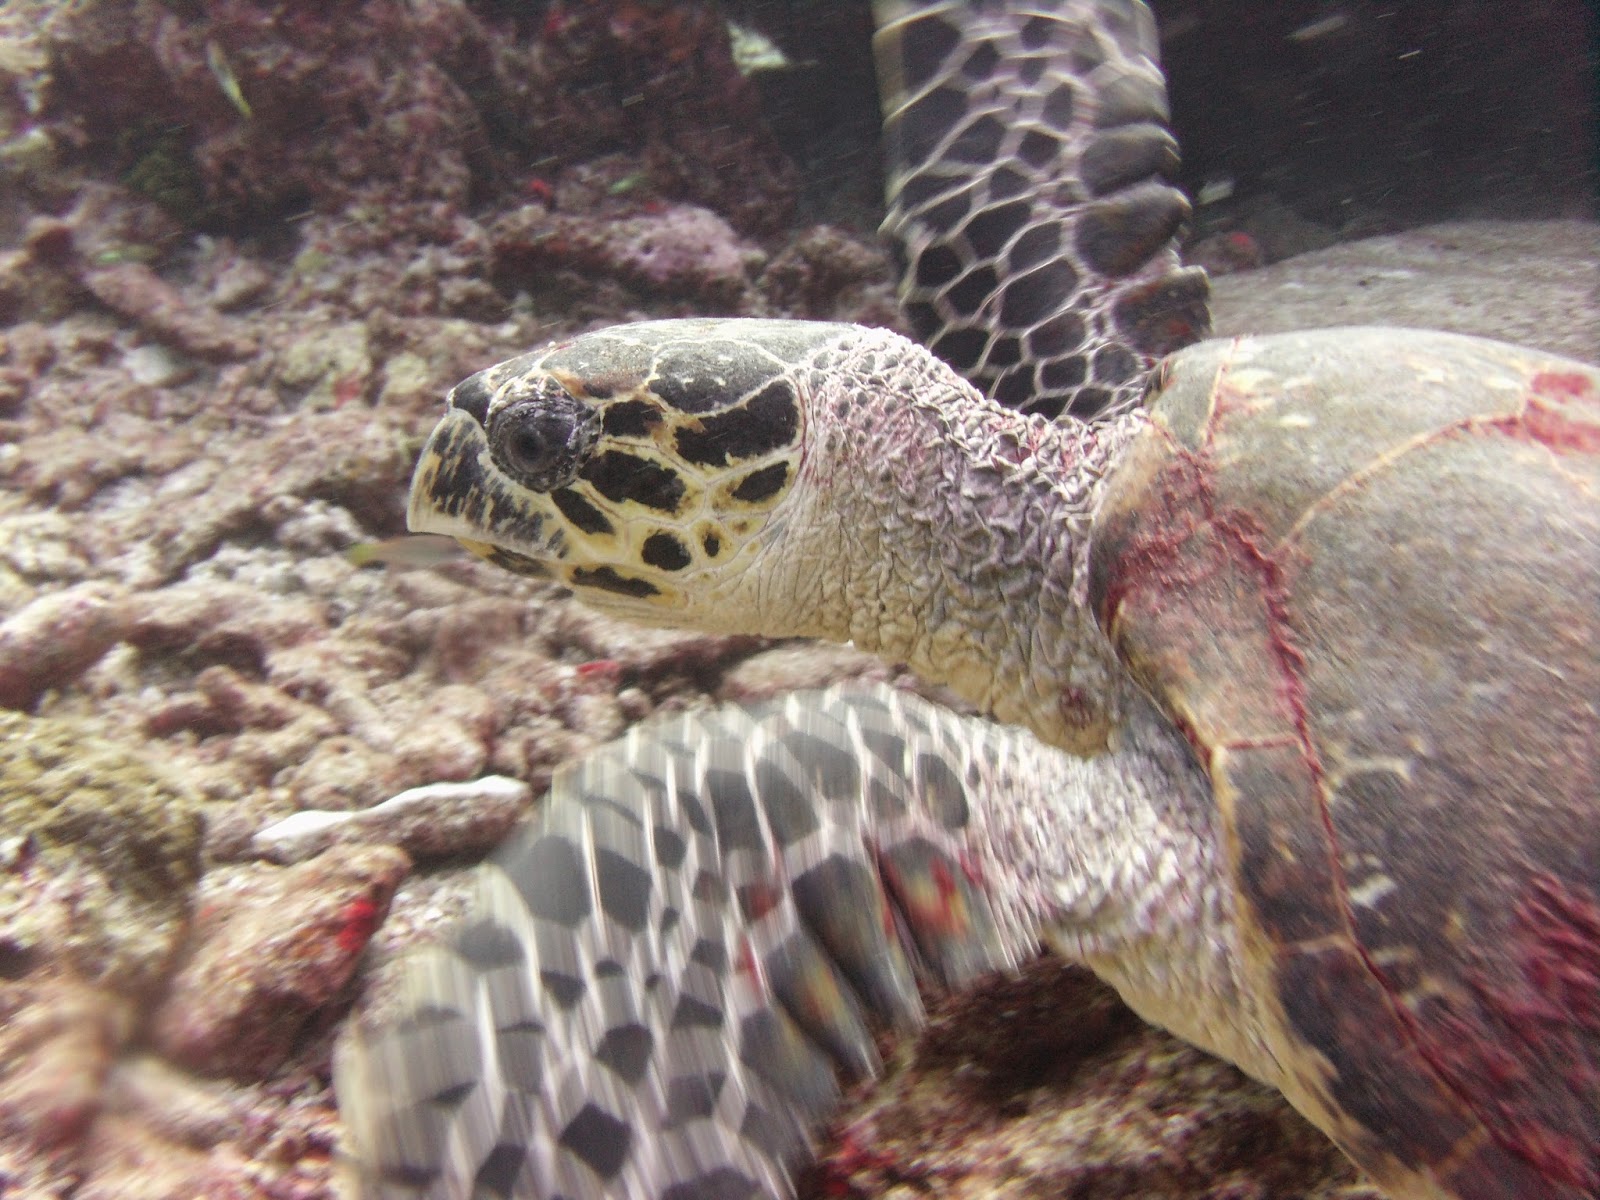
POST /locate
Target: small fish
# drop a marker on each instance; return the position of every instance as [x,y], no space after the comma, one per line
[1214,191]
[1316,29]
[754,51]
[226,79]
[407,550]
[626,184]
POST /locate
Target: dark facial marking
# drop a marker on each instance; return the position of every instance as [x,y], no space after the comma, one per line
[471,396]
[602,385]
[712,545]
[606,579]
[666,552]
[620,477]
[580,512]
[707,375]
[763,424]
[631,418]
[518,564]
[542,435]
[599,364]
[759,485]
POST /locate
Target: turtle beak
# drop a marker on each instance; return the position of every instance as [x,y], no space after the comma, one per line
[457,491]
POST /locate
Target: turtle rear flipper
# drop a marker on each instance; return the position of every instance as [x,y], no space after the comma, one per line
[1032,198]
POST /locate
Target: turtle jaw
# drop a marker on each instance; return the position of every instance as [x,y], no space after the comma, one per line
[457,492]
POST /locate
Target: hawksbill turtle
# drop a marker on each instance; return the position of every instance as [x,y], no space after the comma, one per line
[1291,643]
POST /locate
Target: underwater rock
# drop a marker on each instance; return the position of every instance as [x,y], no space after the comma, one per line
[58,1040]
[326,366]
[272,947]
[660,80]
[143,297]
[1225,253]
[233,112]
[101,854]
[795,666]
[53,640]
[164,1134]
[1527,282]
[827,274]
[680,252]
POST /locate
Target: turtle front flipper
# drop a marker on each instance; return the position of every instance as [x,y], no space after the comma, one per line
[1032,203]
[662,975]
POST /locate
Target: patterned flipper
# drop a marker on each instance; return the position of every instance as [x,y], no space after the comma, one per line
[1032,203]
[663,975]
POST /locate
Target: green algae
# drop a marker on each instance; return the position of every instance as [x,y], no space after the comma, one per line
[101,853]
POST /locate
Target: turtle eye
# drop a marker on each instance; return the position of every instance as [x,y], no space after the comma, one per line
[542,439]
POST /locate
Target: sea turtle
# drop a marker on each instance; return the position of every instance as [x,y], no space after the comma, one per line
[1305,627]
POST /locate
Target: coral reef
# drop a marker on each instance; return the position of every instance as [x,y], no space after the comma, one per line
[244,248]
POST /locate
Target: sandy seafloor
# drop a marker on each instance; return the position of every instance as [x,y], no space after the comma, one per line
[174,590]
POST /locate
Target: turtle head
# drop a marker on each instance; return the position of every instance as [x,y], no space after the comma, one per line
[639,465]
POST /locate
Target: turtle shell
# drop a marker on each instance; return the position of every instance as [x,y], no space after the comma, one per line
[1360,570]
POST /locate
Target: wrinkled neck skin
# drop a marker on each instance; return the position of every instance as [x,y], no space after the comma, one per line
[935,528]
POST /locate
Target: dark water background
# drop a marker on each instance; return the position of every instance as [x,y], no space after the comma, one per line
[1359,115]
